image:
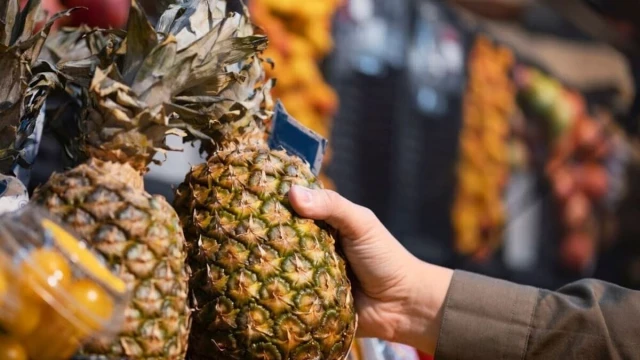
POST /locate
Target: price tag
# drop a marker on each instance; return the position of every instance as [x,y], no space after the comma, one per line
[289,134]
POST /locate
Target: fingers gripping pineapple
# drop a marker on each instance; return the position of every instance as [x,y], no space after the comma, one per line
[265,284]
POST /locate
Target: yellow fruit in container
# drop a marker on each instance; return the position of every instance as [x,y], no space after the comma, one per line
[55,340]
[97,306]
[44,269]
[67,329]
[83,258]
[20,316]
[47,304]
[11,349]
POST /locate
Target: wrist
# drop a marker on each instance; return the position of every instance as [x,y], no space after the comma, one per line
[422,314]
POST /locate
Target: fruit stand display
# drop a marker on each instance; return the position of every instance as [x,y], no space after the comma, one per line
[483,165]
[583,159]
[299,39]
[517,117]
[229,269]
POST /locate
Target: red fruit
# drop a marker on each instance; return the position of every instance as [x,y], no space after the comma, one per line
[594,181]
[577,103]
[577,251]
[99,13]
[588,134]
[52,7]
[602,150]
[576,211]
[561,152]
[563,183]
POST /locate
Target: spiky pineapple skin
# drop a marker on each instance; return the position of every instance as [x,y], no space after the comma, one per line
[266,284]
[140,238]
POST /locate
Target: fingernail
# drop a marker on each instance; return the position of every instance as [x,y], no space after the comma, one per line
[304,194]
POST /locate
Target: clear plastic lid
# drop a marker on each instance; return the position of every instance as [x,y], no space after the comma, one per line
[55,293]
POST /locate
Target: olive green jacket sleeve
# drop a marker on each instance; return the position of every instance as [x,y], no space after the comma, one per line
[486,318]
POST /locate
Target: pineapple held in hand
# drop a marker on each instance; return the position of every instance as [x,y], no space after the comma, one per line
[265,284]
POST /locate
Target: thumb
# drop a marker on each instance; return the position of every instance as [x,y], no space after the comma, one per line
[351,220]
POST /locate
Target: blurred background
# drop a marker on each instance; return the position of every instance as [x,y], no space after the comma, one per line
[496,136]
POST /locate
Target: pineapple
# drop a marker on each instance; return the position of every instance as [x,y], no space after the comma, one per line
[135,89]
[266,283]
[21,93]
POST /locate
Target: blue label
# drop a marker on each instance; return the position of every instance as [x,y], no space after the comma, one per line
[289,134]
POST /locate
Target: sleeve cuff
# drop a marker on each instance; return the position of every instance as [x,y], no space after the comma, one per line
[485,318]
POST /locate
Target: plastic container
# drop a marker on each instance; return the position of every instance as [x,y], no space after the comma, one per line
[55,294]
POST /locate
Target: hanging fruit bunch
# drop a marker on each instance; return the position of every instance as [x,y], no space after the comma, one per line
[483,166]
[579,150]
[300,38]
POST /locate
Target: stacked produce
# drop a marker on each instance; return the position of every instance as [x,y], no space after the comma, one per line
[579,148]
[484,163]
[125,92]
[300,34]
[263,282]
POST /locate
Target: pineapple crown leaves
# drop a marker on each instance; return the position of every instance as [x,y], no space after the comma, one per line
[141,85]
[21,93]
[216,108]
[84,47]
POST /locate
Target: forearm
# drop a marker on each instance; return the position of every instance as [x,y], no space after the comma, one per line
[468,316]
[420,323]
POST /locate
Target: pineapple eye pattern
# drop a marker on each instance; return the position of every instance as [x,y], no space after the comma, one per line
[285,287]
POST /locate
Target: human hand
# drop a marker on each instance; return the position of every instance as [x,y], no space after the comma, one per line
[399,298]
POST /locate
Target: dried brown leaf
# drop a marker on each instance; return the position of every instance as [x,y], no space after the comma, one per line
[8,15]
[141,40]
[155,68]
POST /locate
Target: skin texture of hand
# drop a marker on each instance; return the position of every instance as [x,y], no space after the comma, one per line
[399,298]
